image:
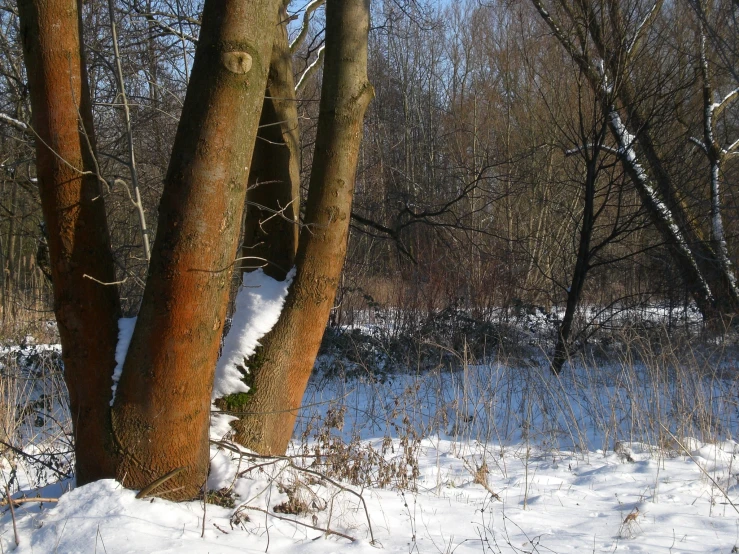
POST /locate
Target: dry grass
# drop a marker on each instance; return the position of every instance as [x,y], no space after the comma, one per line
[35,437]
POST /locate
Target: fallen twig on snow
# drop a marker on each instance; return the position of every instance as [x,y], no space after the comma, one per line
[322,530]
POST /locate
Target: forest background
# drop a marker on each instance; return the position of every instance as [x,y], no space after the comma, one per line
[572,160]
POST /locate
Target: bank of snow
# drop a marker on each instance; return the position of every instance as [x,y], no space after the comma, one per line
[562,502]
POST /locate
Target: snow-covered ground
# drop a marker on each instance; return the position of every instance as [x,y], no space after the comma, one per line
[486,459]
[469,497]
[634,454]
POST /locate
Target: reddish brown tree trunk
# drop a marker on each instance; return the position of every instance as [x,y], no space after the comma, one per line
[273,196]
[289,350]
[72,203]
[161,412]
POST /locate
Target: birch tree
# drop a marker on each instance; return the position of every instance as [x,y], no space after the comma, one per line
[606,56]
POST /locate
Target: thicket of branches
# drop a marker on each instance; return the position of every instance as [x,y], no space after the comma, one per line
[488,167]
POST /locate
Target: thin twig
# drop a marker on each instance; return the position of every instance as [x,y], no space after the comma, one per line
[86,276]
[322,530]
[12,515]
[17,501]
[205,502]
[147,489]
[129,134]
[35,459]
[291,463]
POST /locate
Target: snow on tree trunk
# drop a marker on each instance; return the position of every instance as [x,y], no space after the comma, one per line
[661,214]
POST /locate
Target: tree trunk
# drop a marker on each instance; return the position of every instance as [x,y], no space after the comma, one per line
[162,408]
[714,153]
[9,267]
[681,250]
[72,203]
[281,368]
[273,196]
[582,265]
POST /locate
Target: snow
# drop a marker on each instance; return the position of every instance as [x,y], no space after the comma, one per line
[126,326]
[258,307]
[561,502]
[624,457]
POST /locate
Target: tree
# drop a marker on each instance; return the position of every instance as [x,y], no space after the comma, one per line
[86,300]
[160,417]
[157,422]
[606,40]
[161,413]
[282,365]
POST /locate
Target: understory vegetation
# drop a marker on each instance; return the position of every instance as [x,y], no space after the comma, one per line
[456,377]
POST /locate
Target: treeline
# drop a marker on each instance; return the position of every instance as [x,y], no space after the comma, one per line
[552,153]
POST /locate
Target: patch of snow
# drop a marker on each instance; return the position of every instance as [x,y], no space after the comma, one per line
[258,307]
[126,326]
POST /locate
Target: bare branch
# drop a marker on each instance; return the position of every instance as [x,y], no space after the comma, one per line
[643,25]
[721,106]
[311,69]
[309,9]
[14,122]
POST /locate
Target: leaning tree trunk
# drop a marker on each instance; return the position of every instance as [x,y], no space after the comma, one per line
[718,278]
[273,196]
[288,353]
[86,308]
[712,275]
[162,408]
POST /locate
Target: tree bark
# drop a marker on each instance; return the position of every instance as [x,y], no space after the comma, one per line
[281,368]
[72,203]
[273,195]
[162,408]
